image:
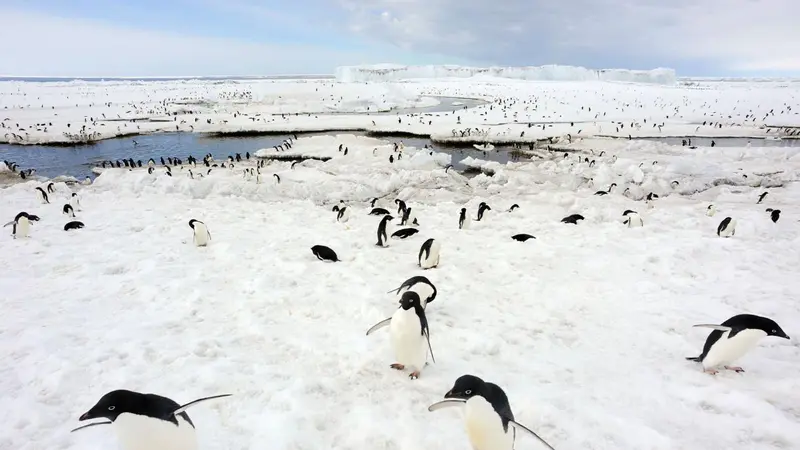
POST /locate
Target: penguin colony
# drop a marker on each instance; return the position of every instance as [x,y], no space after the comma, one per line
[153,422]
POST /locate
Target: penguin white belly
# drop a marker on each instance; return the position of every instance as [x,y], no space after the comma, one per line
[422,289]
[75,203]
[484,427]
[409,344]
[23,227]
[433,257]
[635,221]
[345,216]
[725,351]
[200,235]
[711,211]
[41,196]
[730,230]
[137,432]
[465,224]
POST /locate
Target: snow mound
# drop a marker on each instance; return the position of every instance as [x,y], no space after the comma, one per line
[391,72]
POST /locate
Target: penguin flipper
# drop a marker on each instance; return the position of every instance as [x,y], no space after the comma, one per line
[448,403]
[521,427]
[199,400]
[13,221]
[722,328]
[91,425]
[379,325]
[694,358]
[428,338]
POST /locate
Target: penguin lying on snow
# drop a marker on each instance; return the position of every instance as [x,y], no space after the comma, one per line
[733,339]
[522,237]
[378,212]
[324,253]
[404,233]
[421,285]
[146,421]
[573,219]
[487,414]
[409,334]
[74,225]
[201,234]
[428,257]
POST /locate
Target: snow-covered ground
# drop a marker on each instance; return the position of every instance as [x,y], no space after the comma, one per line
[518,111]
[585,328]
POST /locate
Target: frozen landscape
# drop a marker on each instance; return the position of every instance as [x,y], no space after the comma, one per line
[585,327]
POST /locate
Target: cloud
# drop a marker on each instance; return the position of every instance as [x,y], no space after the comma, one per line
[41,45]
[757,35]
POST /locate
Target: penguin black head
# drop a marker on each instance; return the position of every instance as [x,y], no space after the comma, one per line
[466,387]
[410,299]
[191,223]
[111,405]
[775,214]
[628,211]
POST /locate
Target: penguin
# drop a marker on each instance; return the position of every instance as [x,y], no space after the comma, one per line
[324,253]
[372,202]
[573,219]
[429,254]
[513,207]
[632,219]
[727,227]
[343,213]
[74,225]
[761,197]
[422,286]
[68,210]
[404,233]
[382,233]
[146,421]
[463,220]
[733,339]
[150,170]
[277,177]
[711,210]
[407,217]
[409,334]
[401,206]
[522,237]
[51,188]
[487,414]
[21,225]
[482,208]
[378,212]
[775,214]
[151,162]
[75,201]
[42,195]
[201,234]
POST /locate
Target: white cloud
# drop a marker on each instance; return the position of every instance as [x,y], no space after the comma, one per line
[41,45]
[728,34]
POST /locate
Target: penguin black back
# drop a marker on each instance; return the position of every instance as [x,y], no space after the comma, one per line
[775,214]
[401,206]
[522,237]
[382,230]
[74,225]
[573,219]
[324,253]
[724,224]
[513,207]
[425,249]
[378,212]
[404,233]
[737,324]
[122,401]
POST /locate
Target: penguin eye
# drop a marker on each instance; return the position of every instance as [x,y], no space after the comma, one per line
[111,408]
[775,331]
[468,391]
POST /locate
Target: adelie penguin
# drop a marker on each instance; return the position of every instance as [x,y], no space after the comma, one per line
[342,213]
[421,285]
[573,219]
[632,219]
[383,236]
[42,195]
[409,335]
[324,253]
[774,214]
[201,235]
[51,188]
[428,257]
[68,211]
[482,208]
[522,237]
[463,219]
[408,218]
[488,418]
[733,339]
[74,225]
[761,197]
[146,421]
[21,225]
[711,210]
[378,212]
[401,206]
[727,227]
[513,207]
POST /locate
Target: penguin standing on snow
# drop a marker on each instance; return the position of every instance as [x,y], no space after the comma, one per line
[761,197]
[428,257]
[146,421]
[342,213]
[727,227]
[711,210]
[67,210]
[409,333]
[513,207]
[401,206]
[51,188]
[488,417]
[21,225]
[201,234]
[482,208]
[421,285]
[733,339]
[408,218]
[75,201]
[42,195]
[463,220]
[774,214]
[632,219]
[383,236]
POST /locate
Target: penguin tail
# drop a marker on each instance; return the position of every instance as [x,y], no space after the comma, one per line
[693,358]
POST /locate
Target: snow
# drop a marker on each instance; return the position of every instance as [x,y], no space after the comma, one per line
[585,328]
[393,72]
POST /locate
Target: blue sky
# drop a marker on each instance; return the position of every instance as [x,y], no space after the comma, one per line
[265,37]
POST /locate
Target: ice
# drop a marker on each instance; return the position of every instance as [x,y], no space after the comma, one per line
[393,72]
[585,328]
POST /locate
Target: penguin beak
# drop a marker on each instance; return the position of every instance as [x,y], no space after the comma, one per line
[85,416]
[449,394]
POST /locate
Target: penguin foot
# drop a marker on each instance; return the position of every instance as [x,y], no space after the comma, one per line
[711,371]
[397,366]
[735,369]
[414,375]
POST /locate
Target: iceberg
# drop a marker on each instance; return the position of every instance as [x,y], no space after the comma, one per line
[392,72]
